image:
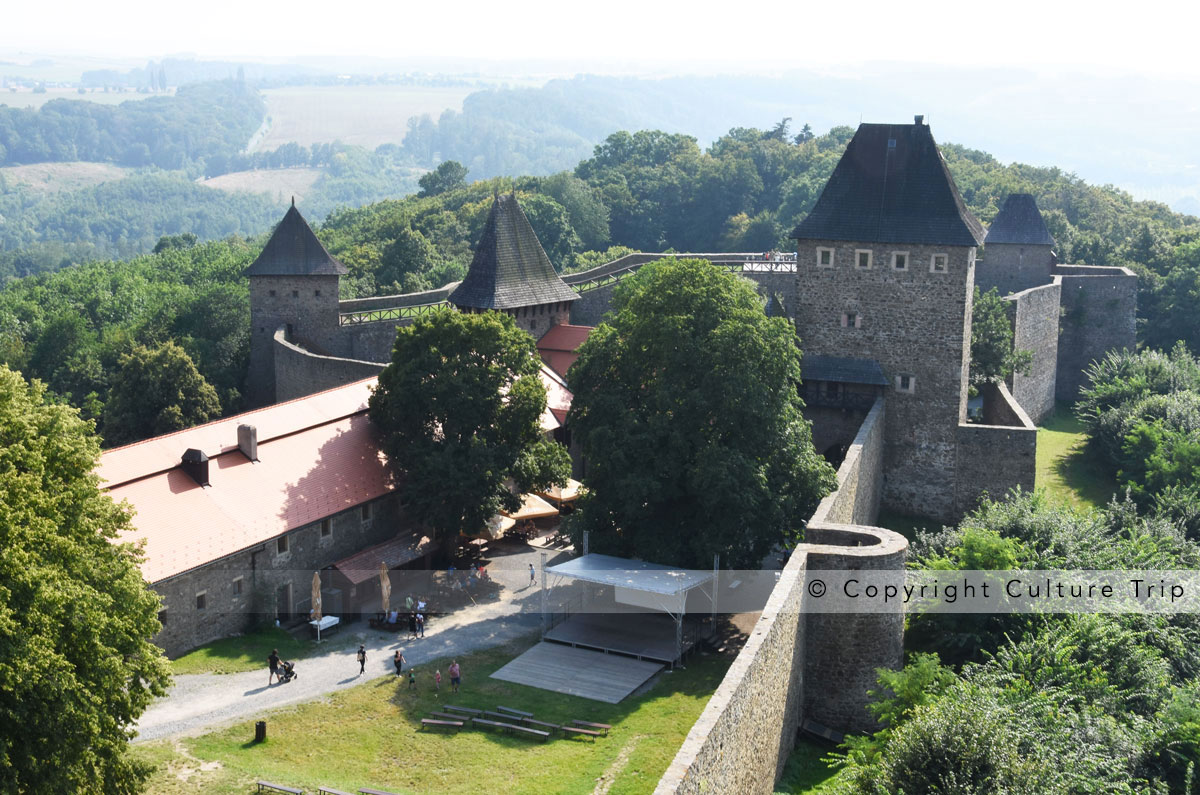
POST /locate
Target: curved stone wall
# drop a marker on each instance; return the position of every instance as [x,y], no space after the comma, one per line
[299,372]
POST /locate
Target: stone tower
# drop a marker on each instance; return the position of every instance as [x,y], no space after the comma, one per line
[885,273]
[1018,252]
[293,288]
[511,273]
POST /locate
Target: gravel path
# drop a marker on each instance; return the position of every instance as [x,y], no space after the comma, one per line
[202,701]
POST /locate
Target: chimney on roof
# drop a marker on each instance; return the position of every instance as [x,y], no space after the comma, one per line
[195,465]
[248,441]
[918,119]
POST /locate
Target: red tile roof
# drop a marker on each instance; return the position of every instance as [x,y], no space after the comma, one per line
[317,457]
[559,347]
[362,566]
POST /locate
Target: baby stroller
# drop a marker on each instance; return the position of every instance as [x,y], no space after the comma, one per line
[287,671]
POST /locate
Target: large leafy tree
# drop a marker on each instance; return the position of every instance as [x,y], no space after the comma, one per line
[459,410]
[156,391]
[687,407]
[992,356]
[76,665]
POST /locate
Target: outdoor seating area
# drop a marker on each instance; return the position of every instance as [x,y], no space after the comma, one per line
[512,721]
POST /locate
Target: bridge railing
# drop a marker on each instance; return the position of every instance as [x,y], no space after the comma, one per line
[775,263]
[389,313]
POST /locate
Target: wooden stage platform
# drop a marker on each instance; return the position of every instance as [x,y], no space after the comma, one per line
[578,672]
[646,636]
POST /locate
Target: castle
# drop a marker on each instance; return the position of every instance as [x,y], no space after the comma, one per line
[880,290]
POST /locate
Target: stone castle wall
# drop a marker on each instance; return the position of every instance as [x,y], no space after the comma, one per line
[261,570]
[1034,315]
[747,731]
[995,458]
[1099,306]
[1012,268]
[299,372]
[915,323]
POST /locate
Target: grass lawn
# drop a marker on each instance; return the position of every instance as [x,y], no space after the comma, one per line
[368,736]
[243,653]
[805,773]
[1064,469]
[907,526]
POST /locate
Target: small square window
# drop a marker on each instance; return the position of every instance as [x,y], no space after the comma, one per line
[937,263]
[851,320]
[825,258]
[366,512]
[281,545]
[891,143]
[906,384]
[900,260]
[162,616]
[862,258]
[317,293]
[295,293]
[271,293]
[201,600]
[237,586]
[326,528]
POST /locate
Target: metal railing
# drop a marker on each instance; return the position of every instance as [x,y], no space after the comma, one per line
[389,313]
[776,263]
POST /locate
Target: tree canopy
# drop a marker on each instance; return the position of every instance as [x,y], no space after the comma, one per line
[156,391]
[76,665]
[993,358]
[687,408]
[459,412]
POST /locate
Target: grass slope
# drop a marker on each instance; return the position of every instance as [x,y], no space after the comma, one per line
[44,178]
[1064,469]
[281,184]
[805,773]
[242,653]
[368,736]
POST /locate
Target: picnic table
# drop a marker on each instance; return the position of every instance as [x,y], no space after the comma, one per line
[324,625]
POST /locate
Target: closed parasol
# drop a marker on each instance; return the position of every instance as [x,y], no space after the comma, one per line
[385,587]
[316,597]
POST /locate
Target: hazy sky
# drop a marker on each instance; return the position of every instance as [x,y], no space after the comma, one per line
[1153,36]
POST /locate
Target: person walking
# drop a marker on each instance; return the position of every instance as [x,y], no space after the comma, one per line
[532,578]
[412,625]
[437,680]
[362,659]
[412,679]
[420,625]
[398,661]
[273,664]
[455,675]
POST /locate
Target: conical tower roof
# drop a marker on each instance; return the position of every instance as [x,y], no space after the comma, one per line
[892,186]
[1019,222]
[294,250]
[510,268]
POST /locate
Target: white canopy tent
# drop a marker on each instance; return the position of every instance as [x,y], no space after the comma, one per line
[652,586]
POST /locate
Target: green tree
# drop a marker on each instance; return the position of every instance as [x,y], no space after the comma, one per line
[459,411]
[156,391]
[992,356]
[447,176]
[687,407]
[76,666]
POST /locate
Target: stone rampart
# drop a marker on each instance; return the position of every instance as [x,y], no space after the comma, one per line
[995,458]
[299,372]
[744,736]
[1034,315]
[1099,307]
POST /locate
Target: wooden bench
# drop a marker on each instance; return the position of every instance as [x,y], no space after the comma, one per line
[541,723]
[446,715]
[467,710]
[369,791]
[604,727]
[456,724]
[491,724]
[279,788]
[516,712]
[527,730]
[331,791]
[577,730]
[500,716]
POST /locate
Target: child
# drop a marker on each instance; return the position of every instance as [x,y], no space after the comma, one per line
[437,680]
[412,679]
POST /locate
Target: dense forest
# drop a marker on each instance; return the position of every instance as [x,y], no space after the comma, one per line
[646,190]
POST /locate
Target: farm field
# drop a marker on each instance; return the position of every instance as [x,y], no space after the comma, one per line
[364,115]
[280,184]
[59,177]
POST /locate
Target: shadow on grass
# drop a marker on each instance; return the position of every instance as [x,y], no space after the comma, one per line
[1076,473]
[805,772]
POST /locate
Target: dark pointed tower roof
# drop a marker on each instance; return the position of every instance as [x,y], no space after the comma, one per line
[775,307]
[510,268]
[892,186]
[294,250]
[1020,222]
